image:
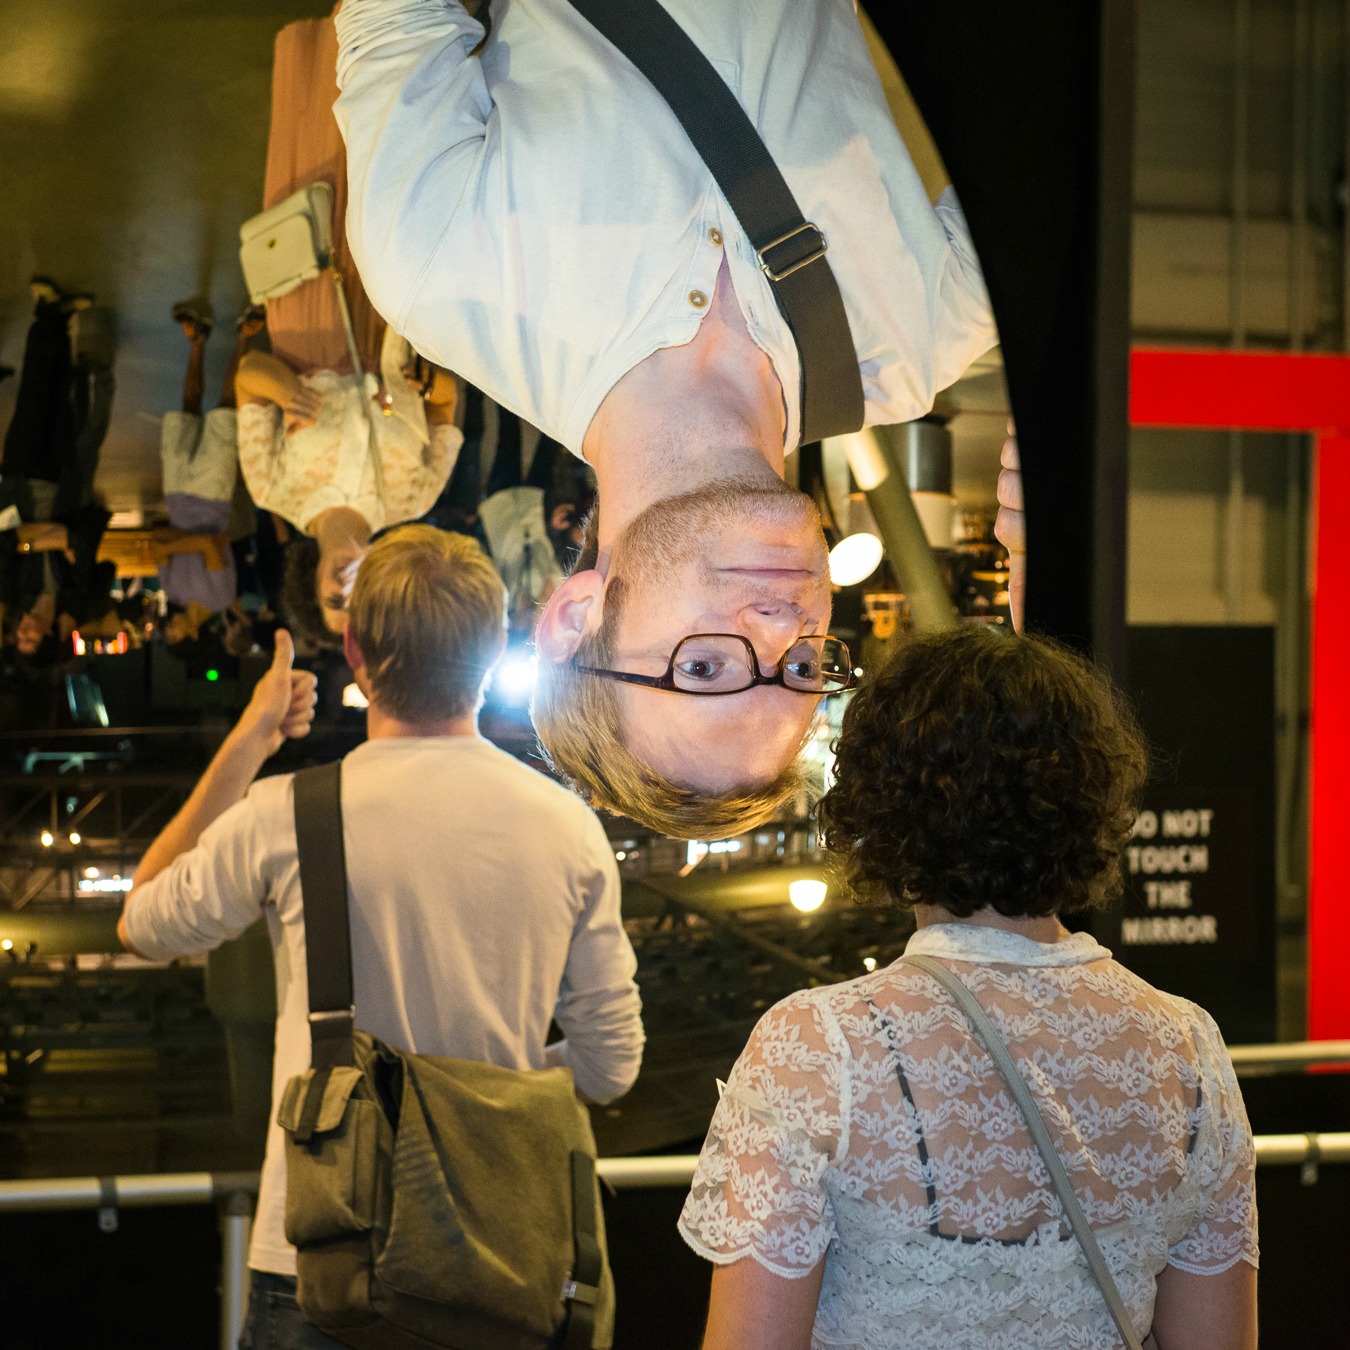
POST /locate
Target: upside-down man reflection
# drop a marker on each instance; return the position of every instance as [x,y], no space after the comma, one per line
[527,210]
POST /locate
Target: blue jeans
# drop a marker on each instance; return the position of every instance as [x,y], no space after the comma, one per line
[274,1321]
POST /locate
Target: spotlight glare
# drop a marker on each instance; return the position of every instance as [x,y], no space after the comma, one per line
[807,895]
[855,558]
[514,680]
[47,839]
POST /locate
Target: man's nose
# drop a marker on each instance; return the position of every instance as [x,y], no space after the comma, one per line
[772,627]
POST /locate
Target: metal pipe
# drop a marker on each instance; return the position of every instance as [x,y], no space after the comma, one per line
[630,1174]
[1289,1054]
[236,1224]
[877,470]
[1302,1148]
[138,1190]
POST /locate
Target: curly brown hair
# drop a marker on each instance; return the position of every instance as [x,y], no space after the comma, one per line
[982,769]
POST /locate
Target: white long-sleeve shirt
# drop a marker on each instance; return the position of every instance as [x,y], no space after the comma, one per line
[535,218]
[484,900]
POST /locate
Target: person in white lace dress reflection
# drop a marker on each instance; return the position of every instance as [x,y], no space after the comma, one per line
[867,1180]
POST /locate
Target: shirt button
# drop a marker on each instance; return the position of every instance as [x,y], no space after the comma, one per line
[697,299]
[715,237]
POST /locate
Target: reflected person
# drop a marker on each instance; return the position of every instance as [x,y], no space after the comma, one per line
[527,210]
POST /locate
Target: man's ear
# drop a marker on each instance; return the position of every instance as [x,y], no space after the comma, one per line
[351,650]
[573,612]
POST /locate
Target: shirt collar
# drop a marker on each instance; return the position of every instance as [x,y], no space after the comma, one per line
[995,946]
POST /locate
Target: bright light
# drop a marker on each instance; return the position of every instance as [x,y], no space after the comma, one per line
[74,836]
[514,679]
[352,697]
[620,855]
[869,963]
[91,871]
[807,895]
[697,850]
[105,885]
[855,559]
[47,839]
[213,675]
[7,945]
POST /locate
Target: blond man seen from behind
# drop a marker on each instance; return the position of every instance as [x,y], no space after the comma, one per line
[484,898]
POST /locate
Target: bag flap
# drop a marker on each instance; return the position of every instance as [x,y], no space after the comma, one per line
[313,204]
[342,1083]
[280,258]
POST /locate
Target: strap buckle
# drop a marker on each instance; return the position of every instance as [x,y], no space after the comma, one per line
[573,1292]
[797,264]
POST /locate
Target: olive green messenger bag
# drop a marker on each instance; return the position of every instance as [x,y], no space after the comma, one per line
[431,1201]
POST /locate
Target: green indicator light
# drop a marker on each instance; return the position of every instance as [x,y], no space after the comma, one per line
[213,675]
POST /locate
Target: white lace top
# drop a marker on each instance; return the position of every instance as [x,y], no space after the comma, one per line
[865,1124]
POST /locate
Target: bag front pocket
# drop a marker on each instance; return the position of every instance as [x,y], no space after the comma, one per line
[331,1148]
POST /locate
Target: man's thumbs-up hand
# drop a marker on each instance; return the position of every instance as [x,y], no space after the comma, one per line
[282,706]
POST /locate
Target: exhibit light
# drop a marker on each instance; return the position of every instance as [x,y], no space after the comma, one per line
[855,558]
[514,679]
[91,871]
[74,836]
[807,895]
[47,838]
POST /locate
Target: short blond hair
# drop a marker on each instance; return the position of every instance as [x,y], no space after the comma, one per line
[579,722]
[428,611]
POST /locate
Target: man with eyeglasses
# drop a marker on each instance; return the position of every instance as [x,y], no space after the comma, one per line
[527,210]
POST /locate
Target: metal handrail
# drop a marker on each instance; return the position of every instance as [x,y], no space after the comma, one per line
[237,1190]
[1288,1055]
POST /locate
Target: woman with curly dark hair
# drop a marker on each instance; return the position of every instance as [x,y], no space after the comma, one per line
[868,1179]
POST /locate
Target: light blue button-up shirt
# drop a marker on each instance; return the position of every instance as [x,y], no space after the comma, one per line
[534,217]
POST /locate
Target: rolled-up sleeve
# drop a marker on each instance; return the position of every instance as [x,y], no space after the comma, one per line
[206,895]
[413,109]
[598,1007]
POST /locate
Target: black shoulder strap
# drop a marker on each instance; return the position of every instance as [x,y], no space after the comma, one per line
[323,886]
[791,249]
[581,1293]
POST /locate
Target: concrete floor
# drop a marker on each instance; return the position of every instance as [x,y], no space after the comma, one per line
[132,141]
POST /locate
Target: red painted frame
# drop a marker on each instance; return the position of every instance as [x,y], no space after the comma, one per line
[1280,391]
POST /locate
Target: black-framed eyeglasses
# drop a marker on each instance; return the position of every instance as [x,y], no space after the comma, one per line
[711,664]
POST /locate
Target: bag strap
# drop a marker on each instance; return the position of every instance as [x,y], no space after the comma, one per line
[790,248]
[323,888]
[582,1291]
[359,370]
[1007,1066]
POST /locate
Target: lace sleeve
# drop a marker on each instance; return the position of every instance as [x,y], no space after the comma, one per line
[1225,1232]
[782,1122]
[260,432]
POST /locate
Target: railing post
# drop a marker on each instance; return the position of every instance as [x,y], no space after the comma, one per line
[236,1223]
